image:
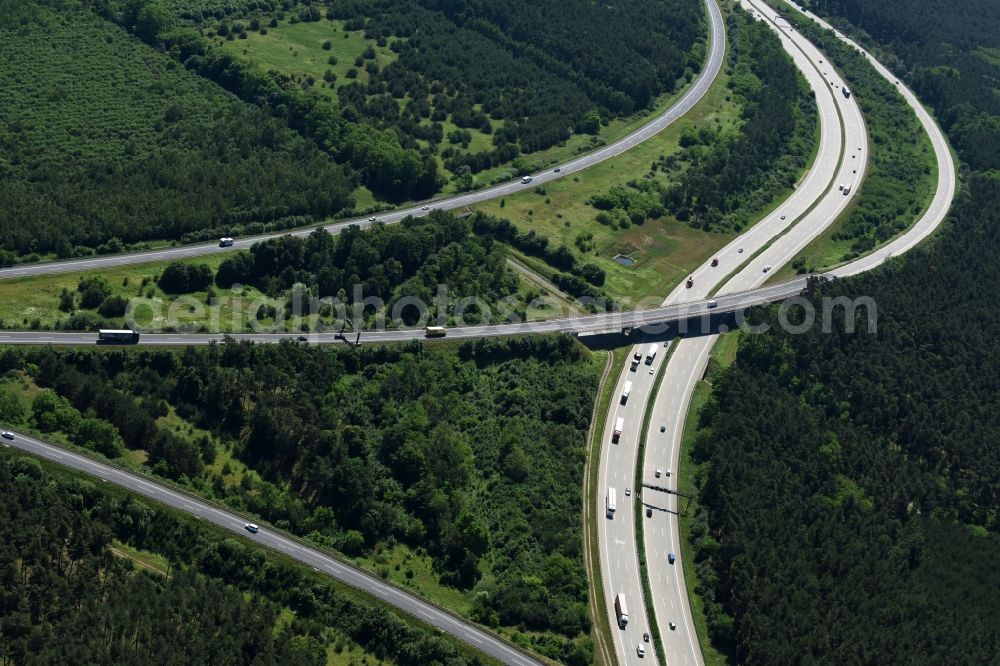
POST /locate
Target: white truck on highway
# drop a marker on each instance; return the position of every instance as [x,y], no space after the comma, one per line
[610,503]
[619,426]
[621,610]
[626,391]
[847,189]
[651,354]
[847,93]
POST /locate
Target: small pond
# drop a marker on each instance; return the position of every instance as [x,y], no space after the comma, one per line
[624,261]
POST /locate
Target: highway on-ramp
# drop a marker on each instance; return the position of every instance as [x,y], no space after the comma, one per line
[690,97]
[346,573]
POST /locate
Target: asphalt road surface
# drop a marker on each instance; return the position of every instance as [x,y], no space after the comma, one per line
[616,531]
[349,574]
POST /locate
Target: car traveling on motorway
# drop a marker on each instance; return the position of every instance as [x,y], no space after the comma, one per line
[253,529]
[6,434]
[645,636]
[639,650]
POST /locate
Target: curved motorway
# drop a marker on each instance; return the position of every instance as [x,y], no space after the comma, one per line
[690,357]
[816,202]
[694,93]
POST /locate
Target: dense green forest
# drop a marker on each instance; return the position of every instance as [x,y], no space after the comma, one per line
[528,76]
[474,453]
[723,178]
[729,178]
[389,262]
[105,142]
[91,575]
[410,260]
[850,478]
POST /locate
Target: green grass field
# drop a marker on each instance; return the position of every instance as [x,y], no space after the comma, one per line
[25,301]
[665,250]
[603,644]
[296,49]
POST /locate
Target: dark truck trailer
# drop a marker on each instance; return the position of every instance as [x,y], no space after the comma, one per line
[107,336]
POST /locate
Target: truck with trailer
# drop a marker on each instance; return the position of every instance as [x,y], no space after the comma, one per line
[108,336]
[621,610]
[651,354]
[610,503]
[619,426]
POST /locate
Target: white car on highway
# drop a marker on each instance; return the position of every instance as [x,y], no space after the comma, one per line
[6,434]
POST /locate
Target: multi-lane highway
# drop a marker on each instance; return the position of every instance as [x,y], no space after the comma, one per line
[347,573]
[841,158]
[616,530]
[690,358]
[694,93]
